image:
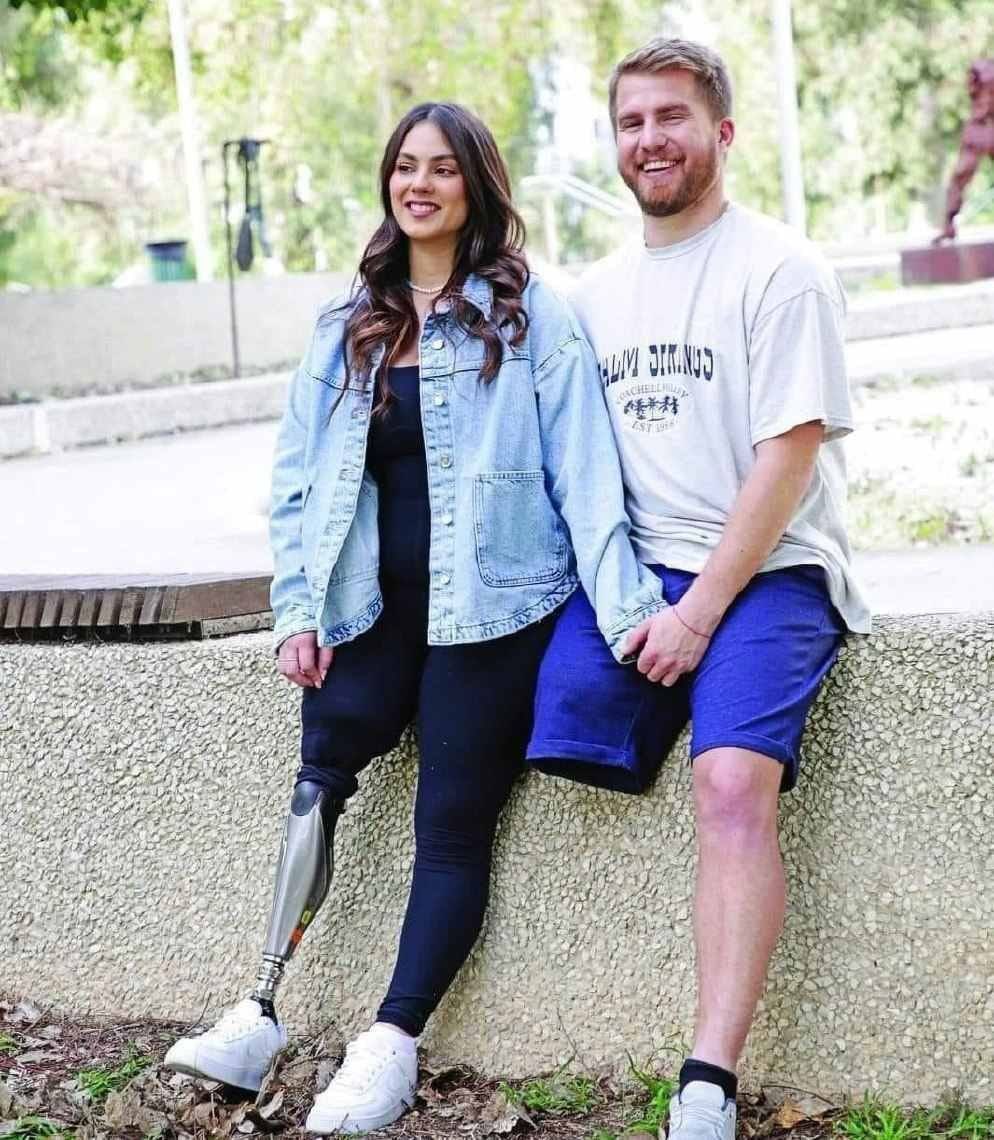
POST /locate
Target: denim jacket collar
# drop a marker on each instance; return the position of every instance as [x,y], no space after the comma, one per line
[479,292]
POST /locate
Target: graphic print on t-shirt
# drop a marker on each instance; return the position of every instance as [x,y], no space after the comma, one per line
[647,402]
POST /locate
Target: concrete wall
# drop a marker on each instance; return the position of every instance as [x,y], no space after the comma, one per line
[143,793]
[74,341]
[79,339]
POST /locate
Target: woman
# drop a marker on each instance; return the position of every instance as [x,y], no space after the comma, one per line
[444,475]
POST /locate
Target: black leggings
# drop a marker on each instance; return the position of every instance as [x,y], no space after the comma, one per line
[473,707]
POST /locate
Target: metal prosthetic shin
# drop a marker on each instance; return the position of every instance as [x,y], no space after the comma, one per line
[303,875]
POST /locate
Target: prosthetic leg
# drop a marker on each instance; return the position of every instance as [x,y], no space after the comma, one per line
[303,875]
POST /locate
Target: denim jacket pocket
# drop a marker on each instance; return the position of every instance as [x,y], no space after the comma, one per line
[360,554]
[519,539]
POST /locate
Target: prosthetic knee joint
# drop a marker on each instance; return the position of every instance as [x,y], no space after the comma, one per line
[303,874]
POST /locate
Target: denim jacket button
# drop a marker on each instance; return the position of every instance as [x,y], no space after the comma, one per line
[439,400]
[445,461]
[445,579]
[438,343]
[447,520]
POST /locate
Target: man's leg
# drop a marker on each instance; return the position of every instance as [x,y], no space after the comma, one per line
[749,699]
[740,895]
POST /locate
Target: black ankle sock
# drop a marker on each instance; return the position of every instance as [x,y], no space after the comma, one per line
[268,1009]
[694,1070]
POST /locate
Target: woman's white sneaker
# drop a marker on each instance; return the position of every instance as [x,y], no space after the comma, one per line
[373,1087]
[238,1050]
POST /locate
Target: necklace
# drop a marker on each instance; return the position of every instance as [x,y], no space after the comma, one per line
[427,292]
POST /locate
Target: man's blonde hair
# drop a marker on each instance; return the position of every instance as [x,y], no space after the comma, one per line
[662,54]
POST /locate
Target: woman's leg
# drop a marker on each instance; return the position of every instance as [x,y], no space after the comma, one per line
[474,718]
[368,698]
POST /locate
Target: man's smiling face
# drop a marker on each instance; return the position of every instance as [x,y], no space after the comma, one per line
[670,146]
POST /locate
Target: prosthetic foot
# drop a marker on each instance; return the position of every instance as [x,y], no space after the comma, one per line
[240,1048]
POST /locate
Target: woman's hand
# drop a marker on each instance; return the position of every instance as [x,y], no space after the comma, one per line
[301,661]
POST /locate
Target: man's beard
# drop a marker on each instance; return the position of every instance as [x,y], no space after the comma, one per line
[693,186]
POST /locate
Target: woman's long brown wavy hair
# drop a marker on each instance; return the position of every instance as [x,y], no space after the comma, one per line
[489,246]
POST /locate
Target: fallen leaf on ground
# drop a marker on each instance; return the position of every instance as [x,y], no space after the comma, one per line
[268,1111]
[790,1114]
[24,1013]
[34,1056]
[326,1070]
[125,1109]
[499,1116]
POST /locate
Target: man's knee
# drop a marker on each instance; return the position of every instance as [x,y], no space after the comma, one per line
[736,791]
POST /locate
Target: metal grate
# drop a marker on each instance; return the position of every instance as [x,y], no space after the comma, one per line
[123,607]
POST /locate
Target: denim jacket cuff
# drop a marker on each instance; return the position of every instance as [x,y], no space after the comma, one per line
[296,621]
[618,632]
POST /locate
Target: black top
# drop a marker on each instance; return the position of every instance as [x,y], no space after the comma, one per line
[395,457]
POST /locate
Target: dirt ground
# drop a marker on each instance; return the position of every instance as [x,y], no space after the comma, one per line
[62,1077]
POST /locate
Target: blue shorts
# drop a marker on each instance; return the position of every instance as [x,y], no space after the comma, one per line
[602,722]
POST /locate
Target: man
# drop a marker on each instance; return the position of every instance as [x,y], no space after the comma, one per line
[719,336]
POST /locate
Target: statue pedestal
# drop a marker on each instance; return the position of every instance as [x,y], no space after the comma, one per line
[952,264]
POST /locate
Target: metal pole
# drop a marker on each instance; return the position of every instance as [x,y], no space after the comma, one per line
[236,363]
[791,174]
[195,193]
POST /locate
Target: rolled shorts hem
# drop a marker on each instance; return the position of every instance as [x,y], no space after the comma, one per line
[577,750]
[762,745]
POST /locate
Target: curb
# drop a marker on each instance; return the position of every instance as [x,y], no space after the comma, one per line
[53,425]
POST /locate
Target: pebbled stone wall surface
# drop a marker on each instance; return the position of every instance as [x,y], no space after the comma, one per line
[143,793]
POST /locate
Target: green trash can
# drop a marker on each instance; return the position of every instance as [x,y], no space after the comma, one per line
[168,261]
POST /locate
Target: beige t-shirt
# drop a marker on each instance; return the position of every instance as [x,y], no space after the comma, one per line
[706,348]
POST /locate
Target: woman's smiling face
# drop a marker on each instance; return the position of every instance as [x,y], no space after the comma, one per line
[427,190]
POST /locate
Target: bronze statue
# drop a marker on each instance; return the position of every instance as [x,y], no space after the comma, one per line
[976,142]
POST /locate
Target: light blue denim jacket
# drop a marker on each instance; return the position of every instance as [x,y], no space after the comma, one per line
[523,477]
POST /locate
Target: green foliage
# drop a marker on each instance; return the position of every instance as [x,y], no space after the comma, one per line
[75,9]
[559,1095]
[881,88]
[99,1082]
[873,1119]
[36,64]
[880,137]
[35,1128]
[7,1043]
[656,1110]
[52,247]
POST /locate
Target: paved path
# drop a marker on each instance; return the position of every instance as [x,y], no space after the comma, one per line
[196,502]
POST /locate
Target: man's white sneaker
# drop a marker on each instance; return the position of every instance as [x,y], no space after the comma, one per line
[373,1087]
[701,1112]
[238,1050]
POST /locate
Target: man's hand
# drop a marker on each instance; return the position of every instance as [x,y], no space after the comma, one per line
[302,663]
[668,648]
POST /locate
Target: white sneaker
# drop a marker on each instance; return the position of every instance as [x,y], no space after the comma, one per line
[701,1112]
[374,1085]
[238,1050]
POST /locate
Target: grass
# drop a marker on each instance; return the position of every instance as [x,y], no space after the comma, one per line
[652,1109]
[873,1119]
[35,1128]
[98,1083]
[657,1109]
[561,1094]
[7,1043]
